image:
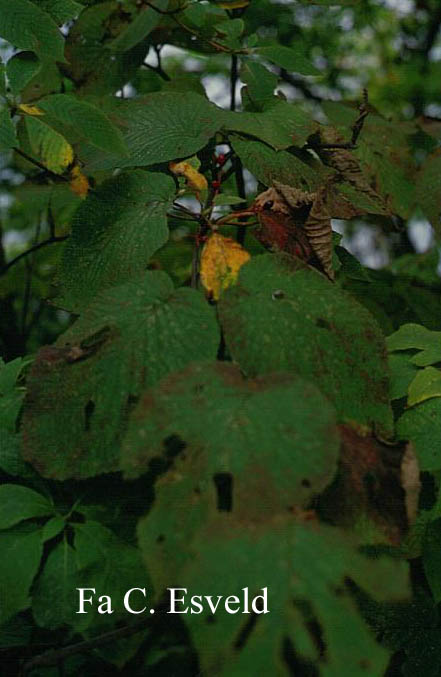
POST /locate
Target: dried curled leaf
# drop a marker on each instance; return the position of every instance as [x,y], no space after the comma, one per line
[317,226]
[195,180]
[221,260]
[79,183]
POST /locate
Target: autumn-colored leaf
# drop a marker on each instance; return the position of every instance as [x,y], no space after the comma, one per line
[195,180]
[53,150]
[221,260]
[79,182]
[30,110]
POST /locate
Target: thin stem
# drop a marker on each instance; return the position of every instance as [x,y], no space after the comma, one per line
[233,81]
[38,164]
[31,250]
[240,183]
[56,656]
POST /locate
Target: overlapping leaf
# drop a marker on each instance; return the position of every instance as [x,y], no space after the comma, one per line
[160,127]
[81,391]
[290,58]
[274,461]
[304,568]
[421,425]
[221,260]
[28,27]
[269,165]
[280,126]
[50,147]
[144,23]
[85,122]
[21,549]
[20,69]
[282,315]
[114,233]
[19,503]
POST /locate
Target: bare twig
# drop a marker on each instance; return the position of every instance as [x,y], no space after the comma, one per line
[298,84]
[31,250]
[359,122]
[56,656]
[233,81]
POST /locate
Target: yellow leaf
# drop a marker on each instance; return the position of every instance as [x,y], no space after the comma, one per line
[50,147]
[195,180]
[221,261]
[79,182]
[30,110]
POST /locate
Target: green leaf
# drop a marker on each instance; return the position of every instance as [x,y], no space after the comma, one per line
[55,598]
[142,25]
[61,10]
[82,390]
[112,567]
[28,27]
[114,234]
[304,568]
[20,69]
[417,337]
[160,127]
[11,398]
[8,138]
[21,550]
[428,190]
[224,199]
[85,121]
[52,528]
[49,146]
[402,373]
[290,453]
[282,125]
[426,384]
[291,59]
[10,372]
[19,503]
[421,425]
[283,315]
[260,83]
[269,165]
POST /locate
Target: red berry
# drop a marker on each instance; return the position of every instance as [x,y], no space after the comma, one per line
[220,160]
[215,184]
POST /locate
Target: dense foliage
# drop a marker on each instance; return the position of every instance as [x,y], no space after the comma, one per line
[180,407]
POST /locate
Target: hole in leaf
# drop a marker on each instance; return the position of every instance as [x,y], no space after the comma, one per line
[306,483]
[88,411]
[295,663]
[173,445]
[312,625]
[278,294]
[223,482]
[324,324]
[160,539]
[245,632]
